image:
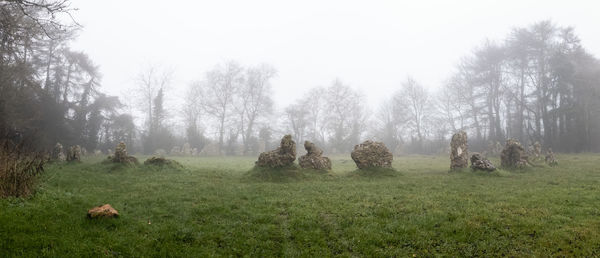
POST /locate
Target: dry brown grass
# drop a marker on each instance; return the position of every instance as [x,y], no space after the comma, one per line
[19,168]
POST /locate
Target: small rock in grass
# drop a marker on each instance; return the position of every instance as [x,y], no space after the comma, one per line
[104,211]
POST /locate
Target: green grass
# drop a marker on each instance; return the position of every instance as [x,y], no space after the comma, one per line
[222,207]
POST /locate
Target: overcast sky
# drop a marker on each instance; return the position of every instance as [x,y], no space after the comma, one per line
[369,45]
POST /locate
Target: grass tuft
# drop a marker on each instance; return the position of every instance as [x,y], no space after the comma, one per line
[375,172]
[283,174]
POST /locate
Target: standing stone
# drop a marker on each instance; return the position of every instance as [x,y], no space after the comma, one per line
[211,149]
[513,155]
[494,148]
[176,150]
[74,153]
[121,155]
[160,152]
[186,150]
[550,159]
[459,154]
[120,152]
[57,153]
[281,157]
[371,154]
[478,162]
[536,151]
[498,148]
[313,158]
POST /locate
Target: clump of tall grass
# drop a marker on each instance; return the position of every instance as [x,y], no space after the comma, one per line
[19,168]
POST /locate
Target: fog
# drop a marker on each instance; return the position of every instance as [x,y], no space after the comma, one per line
[372,46]
[233,77]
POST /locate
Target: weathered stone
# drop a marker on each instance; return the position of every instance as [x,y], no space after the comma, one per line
[121,155]
[498,148]
[550,159]
[186,149]
[57,153]
[513,155]
[494,148]
[536,151]
[211,149]
[459,153]
[313,159]
[478,162]
[280,157]
[371,154]
[104,211]
[160,161]
[74,153]
[120,152]
[160,152]
[175,150]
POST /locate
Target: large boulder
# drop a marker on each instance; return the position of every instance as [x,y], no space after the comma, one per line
[104,211]
[513,155]
[371,154]
[281,157]
[313,158]
[478,162]
[74,154]
[58,153]
[459,153]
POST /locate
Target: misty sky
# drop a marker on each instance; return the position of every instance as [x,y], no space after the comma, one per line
[370,45]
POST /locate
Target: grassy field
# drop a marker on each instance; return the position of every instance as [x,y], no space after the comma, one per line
[215,207]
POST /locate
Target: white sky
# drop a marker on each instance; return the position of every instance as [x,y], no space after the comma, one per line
[370,45]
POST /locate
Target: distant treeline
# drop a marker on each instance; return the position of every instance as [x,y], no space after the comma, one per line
[538,84]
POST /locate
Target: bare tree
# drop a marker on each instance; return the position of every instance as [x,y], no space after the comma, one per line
[220,87]
[388,124]
[346,117]
[296,120]
[149,82]
[254,101]
[192,111]
[316,106]
[416,102]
